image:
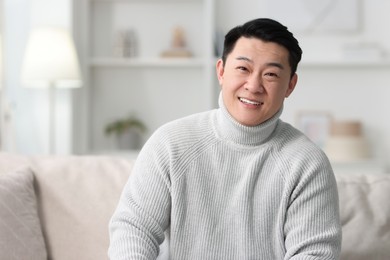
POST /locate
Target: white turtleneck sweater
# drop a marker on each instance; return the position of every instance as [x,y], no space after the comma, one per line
[221,190]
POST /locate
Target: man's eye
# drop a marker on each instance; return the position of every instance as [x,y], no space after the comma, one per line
[242,68]
[271,74]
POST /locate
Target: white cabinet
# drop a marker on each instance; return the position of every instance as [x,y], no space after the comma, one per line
[156,89]
[368,166]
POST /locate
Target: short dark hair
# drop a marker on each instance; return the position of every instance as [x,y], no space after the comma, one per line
[267,30]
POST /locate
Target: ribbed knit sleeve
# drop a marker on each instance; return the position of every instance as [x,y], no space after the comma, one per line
[144,210]
[312,228]
[138,224]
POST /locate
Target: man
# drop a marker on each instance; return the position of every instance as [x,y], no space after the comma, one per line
[235,182]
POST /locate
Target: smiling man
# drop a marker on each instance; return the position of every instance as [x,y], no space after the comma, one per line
[235,182]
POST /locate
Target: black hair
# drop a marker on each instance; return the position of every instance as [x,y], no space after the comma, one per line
[267,30]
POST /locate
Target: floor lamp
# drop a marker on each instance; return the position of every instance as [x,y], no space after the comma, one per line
[51,61]
[1,96]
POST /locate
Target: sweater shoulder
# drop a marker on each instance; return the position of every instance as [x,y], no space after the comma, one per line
[189,128]
[291,140]
[302,162]
[296,150]
[178,136]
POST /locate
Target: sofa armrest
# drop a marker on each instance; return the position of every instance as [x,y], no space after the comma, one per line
[365,215]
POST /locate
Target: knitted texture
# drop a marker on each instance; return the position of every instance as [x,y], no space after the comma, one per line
[220,190]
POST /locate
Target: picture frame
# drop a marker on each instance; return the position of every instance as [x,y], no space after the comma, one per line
[327,16]
[315,125]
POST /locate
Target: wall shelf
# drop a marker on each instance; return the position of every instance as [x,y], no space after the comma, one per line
[148,62]
[139,1]
[157,89]
[346,63]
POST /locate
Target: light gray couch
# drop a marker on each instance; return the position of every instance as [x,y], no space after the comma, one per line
[59,207]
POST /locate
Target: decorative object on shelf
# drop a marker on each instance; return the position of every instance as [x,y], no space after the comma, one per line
[51,61]
[346,142]
[178,45]
[127,131]
[315,125]
[125,44]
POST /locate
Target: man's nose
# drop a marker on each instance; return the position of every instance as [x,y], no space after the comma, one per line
[255,84]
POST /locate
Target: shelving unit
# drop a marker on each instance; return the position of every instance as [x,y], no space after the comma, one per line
[155,89]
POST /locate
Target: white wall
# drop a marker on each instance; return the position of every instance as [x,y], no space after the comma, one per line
[347,92]
[16,26]
[29,107]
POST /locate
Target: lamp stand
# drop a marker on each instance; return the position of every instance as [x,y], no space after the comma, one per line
[52,119]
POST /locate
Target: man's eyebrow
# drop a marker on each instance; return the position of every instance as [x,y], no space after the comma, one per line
[269,64]
[244,59]
[275,64]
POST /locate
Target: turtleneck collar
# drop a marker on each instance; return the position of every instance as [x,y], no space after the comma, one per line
[228,128]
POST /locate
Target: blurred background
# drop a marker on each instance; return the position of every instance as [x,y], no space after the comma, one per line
[140,64]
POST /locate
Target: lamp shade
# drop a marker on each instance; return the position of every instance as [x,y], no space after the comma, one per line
[51,59]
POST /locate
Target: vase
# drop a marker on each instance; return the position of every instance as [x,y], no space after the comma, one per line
[130,140]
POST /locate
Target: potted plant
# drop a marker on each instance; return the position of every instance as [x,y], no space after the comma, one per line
[127,131]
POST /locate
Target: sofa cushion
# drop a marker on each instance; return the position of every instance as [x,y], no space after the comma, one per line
[365,216]
[77,196]
[21,235]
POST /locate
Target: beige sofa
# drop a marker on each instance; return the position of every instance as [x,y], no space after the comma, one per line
[59,207]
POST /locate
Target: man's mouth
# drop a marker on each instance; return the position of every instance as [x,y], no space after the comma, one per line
[250,102]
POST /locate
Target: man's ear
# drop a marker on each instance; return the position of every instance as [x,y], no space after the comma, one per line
[291,85]
[220,71]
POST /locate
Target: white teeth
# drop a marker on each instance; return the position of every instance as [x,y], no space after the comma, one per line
[249,101]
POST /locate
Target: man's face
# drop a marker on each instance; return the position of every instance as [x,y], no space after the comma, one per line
[255,80]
